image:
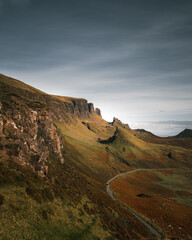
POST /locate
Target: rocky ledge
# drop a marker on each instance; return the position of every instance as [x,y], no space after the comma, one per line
[28,134]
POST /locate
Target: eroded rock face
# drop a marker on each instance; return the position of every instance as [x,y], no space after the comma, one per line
[29,136]
[91,108]
[78,108]
[98,111]
[1,126]
[27,131]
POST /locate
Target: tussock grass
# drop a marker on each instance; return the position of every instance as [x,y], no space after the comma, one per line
[35,208]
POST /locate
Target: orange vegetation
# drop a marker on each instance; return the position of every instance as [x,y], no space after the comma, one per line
[172,217]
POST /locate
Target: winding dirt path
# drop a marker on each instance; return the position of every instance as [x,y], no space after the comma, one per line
[111,194]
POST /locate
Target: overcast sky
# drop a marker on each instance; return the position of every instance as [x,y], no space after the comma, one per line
[131,58]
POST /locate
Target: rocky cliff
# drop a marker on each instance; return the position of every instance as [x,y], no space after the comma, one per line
[27,130]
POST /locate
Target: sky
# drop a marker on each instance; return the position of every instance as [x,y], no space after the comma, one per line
[131,58]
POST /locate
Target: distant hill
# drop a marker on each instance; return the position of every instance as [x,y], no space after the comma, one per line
[143,131]
[187,133]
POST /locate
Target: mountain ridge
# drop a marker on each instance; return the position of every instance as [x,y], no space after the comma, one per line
[56,155]
[32,123]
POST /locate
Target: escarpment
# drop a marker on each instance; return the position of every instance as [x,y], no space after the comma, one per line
[29,137]
[28,134]
[92,110]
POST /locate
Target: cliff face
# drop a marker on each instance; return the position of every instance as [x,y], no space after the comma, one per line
[29,137]
[92,110]
[27,131]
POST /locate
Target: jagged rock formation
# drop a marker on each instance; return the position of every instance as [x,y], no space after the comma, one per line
[27,130]
[98,111]
[91,107]
[92,110]
[29,136]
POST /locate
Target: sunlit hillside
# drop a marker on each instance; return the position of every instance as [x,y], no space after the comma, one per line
[56,156]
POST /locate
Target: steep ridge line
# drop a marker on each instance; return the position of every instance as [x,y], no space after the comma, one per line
[144,222]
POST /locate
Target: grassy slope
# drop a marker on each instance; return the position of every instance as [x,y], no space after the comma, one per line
[18,84]
[173,141]
[180,183]
[88,165]
[169,203]
[143,154]
[71,203]
[127,148]
[66,99]
[7,84]
[90,156]
[33,208]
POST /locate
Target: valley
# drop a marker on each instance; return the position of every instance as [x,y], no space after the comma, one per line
[58,153]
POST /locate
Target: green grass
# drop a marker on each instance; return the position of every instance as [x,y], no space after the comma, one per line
[58,231]
[7,92]
[71,202]
[35,103]
[67,99]
[53,208]
[24,218]
[175,182]
[183,200]
[179,181]
[5,95]
[4,80]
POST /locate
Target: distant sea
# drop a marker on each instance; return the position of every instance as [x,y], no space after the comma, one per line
[162,128]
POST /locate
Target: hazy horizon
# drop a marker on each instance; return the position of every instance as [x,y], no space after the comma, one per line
[132,59]
[163,128]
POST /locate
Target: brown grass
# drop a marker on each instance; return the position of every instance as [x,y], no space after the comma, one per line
[18,84]
[173,218]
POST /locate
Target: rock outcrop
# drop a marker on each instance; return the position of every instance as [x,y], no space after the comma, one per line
[30,137]
[98,111]
[92,110]
[28,134]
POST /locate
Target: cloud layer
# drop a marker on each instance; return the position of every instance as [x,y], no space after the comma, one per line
[133,59]
[163,128]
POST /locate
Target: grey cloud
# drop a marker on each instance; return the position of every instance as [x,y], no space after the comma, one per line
[15,2]
[135,52]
